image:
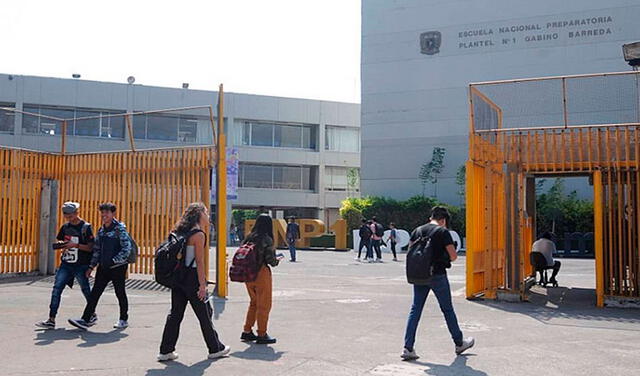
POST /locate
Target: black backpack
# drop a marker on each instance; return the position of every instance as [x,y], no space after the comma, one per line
[169,259]
[379,230]
[420,259]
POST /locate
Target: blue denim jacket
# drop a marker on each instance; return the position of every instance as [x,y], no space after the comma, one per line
[112,246]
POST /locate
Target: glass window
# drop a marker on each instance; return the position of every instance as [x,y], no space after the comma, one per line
[6,118]
[261,134]
[87,127]
[162,127]
[140,126]
[30,123]
[187,129]
[246,133]
[113,126]
[342,139]
[288,136]
[309,136]
[54,127]
[257,176]
[287,177]
[309,178]
[336,178]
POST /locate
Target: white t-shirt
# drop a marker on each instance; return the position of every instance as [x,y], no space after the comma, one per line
[546,247]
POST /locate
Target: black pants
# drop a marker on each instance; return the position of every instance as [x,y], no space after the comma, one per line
[556,269]
[185,292]
[375,244]
[364,243]
[103,277]
[393,249]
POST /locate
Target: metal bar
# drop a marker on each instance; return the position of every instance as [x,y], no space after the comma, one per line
[140,113]
[221,196]
[63,144]
[556,127]
[554,78]
[598,229]
[564,102]
[130,131]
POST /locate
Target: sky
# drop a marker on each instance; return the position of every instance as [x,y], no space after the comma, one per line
[291,48]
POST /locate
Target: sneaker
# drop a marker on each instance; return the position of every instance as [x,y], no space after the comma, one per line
[93,320]
[265,340]
[79,323]
[467,343]
[409,355]
[395,259]
[48,324]
[121,324]
[221,353]
[165,357]
[370,261]
[357,258]
[248,337]
[379,260]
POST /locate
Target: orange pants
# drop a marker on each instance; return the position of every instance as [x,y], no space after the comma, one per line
[260,305]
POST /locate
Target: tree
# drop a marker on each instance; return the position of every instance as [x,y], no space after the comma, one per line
[461,181]
[562,213]
[353,180]
[430,170]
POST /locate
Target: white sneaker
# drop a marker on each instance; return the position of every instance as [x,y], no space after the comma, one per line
[121,324]
[221,353]
[409,355]
[166,357]
[467,343]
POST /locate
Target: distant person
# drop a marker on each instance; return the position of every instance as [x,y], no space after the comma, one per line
[260,290]
[233,234]
[293,234]
[376,239]
[547,247]
[110,254]
[75,238]
[439,240]
[192,288]
[393,240]
[365,240]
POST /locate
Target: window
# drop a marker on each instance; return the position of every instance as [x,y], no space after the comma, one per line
[6,118]
[297,136]
[342,179]
[277,177]
[342,139]
[187,129]
[171,127]
[100,125]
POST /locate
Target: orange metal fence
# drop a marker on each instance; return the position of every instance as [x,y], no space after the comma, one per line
[578,125]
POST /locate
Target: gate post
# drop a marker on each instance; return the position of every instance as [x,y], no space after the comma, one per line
[598,241]
[48,222]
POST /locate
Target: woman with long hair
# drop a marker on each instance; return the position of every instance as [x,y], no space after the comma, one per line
[260,289]
[192,288]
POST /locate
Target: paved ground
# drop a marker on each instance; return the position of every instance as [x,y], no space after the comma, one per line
[332,316]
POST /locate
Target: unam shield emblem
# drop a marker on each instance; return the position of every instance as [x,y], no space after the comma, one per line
[430,42]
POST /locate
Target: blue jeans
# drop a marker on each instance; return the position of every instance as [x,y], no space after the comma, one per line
[440,286]
[375,246]
[66,272]
[292,248]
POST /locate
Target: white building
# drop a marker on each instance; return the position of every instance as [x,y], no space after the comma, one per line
[294,153]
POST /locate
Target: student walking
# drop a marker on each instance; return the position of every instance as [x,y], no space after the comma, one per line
[365,240]
[293,234]
[260,290]
[76,239]
[110,254]
[436,241]
[376,239]
[393,240]
[192,287]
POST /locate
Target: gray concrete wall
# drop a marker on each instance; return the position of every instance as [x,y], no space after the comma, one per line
[413,102]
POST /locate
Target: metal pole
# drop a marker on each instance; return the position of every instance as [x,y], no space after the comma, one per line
[564,102]
[130,131]
[221,206]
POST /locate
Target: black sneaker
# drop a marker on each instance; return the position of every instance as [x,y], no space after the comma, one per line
[48,324]
[265,340]
[79,323]
[93,320]
[248,337]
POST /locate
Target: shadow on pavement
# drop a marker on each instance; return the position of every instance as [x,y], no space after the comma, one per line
[177,368]
[459,367]
[259,352]
[550,303]
[47,337]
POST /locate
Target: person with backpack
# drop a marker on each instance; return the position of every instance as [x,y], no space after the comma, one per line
[365,240]
[430,253]
[190,286]
[293,234]
[76,239]
[111,254]
[260,241]
[393,239]
[377,231]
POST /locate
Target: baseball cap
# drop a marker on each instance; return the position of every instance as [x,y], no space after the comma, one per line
[70,207]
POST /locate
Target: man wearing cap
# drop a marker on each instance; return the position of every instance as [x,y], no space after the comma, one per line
[75,239]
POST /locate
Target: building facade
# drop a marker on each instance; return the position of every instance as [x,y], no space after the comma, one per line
[418,57]
[295,154]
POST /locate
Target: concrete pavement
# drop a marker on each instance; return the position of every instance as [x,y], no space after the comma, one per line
[332,316]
